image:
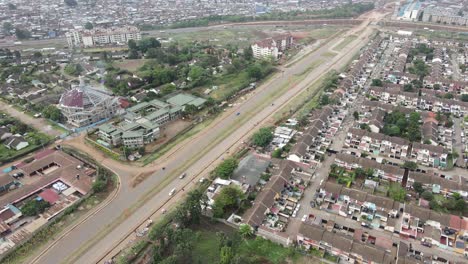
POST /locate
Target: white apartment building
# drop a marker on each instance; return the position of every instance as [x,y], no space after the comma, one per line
[272,47]
[102,36]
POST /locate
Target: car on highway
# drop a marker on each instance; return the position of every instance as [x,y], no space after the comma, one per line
[183,175]
[172,192]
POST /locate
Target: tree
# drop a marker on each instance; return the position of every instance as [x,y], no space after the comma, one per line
[226,168]
[190,109]
[464,97]
[324,99]
[436,86]
[356,115]
[262,137]
[245,230]
[410,165]
[73,69]
[427,195]
[71,3]
[132,54]
[11,6]
[254,71]
[7,28]
[197,75]
[248,53]
[396,192]
[132,44]
[229,197]
[408,87]
[22,33]
[89,25]
[225,255]
[52,113]
[418,187]
[34,207]
[448,96]
[377,82]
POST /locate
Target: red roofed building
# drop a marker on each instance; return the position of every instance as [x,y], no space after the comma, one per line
[49,196]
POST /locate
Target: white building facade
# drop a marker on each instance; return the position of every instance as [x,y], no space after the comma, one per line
[102,36]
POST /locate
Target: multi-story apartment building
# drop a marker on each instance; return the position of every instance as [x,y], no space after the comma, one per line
[272,47]
[102,36]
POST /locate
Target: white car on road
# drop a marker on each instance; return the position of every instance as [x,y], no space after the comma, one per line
[172,192]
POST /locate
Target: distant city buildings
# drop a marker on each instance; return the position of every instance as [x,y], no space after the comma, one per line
[272,47]
[102,36]
[448,12]
[84,105]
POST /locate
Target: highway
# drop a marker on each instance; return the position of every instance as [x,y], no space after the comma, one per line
[108,230]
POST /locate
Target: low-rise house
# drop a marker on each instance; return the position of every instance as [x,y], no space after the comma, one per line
[16,142]
[5,133]
[383,171]
[440,185]
[377,143]
[278,201]
[430,155]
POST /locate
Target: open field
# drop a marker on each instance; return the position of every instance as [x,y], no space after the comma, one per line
[244,36]
[130,65]
[345,42]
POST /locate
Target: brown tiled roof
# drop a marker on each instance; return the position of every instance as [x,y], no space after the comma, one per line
[333,188]
[311,231]
[66,172]
[369,252]
[380,201]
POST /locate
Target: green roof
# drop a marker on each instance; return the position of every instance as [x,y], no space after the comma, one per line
[132,134]
[198,102]
[180,99]
[185,99]
[157,114]
[149,125]
[107,128]
[158,103]
[129,126]
[138,107]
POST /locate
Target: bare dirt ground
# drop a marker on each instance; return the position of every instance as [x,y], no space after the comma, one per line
[167,133]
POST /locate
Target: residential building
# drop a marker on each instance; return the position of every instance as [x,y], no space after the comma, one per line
[272,47]
[430,155]
[102,36]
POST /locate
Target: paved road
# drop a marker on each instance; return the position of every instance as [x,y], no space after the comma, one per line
[38,123]
[104,231]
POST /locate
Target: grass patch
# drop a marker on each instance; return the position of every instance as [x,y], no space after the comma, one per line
[206,248]
[265,249]
[329,54]
[345,42]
